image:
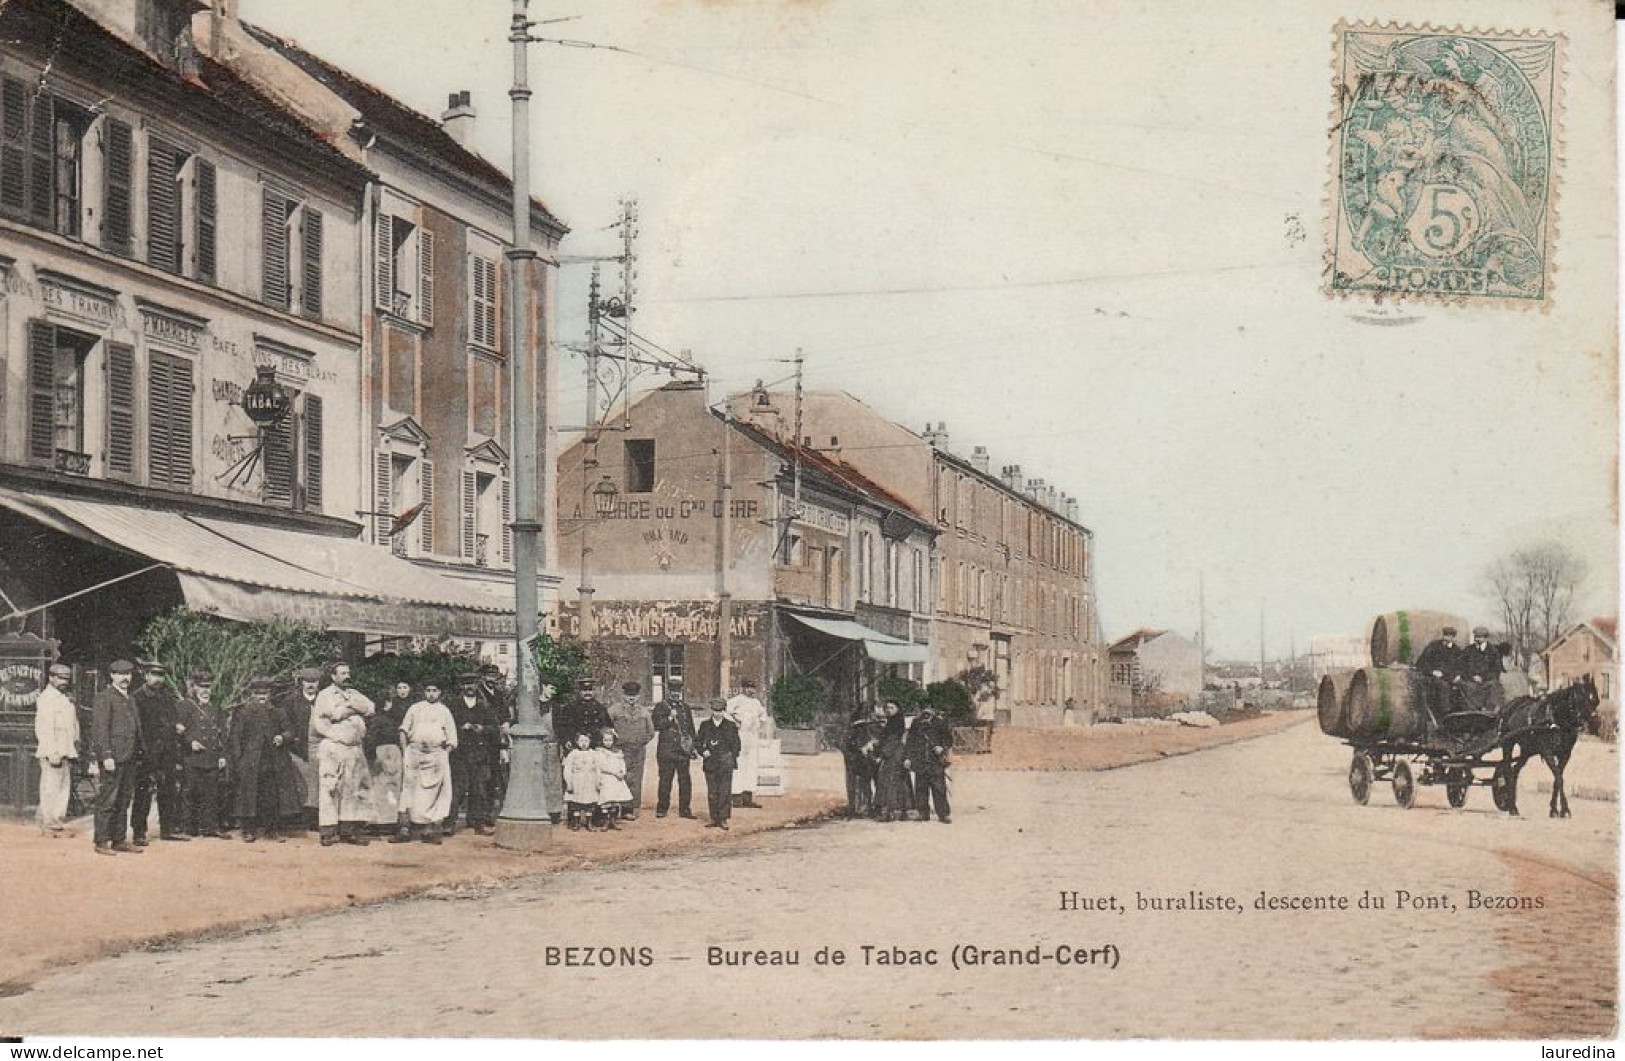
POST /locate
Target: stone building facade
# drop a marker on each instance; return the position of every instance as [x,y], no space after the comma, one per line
[1589,648]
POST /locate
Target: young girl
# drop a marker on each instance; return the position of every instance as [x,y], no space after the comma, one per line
[613,793]
[581,781]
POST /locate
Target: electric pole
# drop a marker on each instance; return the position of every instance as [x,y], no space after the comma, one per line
[589,464]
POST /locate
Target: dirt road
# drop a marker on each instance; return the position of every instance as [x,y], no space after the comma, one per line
[1266,816]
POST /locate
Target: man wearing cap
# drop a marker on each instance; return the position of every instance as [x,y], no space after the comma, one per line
[300,704]
[496,692]
[717,744]
[115,748]
[56,732]
[1481,670]
[633,732]
[158,772]
[339,720]
[750,716]
[266,786]
[471,759]
[673,720]
[203,756]
[1439,667]
[925,751]
[582,714]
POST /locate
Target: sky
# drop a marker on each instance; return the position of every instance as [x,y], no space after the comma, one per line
[1088,236]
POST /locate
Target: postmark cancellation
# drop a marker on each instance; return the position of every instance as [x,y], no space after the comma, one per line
[1444,164]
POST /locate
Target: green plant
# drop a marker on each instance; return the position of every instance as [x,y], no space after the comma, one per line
[952,700]
[559,663]
[901,691]
[232,652]
[795,700]
[376,675]
[980,682]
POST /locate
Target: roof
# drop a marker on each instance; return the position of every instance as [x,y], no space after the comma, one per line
[834,473]
[393,119]
[1136,639]
[1604,627]
[215,89]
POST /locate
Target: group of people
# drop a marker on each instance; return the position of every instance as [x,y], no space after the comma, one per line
[325,754]
[1462,678]
[897,763]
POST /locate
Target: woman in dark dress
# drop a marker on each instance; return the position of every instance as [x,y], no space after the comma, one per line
[894,790]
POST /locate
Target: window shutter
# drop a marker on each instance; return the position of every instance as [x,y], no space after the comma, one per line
[383,470]
[117,170]
[163,208]
[383,266]
[169,420]
[41,160]
[425,276]
[13,146]
[278,458]
[158,419]
[426,495]
[485,295]
[310,300]
[313,453]
[41,391]
[120,455]
[203,180]
[274,250]
[507,521]
[466,505]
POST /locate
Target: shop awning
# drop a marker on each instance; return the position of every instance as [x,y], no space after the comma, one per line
[882,648]
[252,572]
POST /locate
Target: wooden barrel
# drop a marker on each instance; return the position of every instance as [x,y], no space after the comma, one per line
[1399,637]
[1384,702]
[1332,703]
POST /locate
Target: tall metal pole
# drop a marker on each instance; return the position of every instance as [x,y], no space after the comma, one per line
[725,610]
[589,464]
[524,824]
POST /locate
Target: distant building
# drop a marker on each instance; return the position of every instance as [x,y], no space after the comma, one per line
[1154,667]
[1588,648]
[1337,652]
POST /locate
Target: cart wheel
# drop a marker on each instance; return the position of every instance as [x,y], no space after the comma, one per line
[1501,785]
[1361,773]
[1404,785]
[1457,782]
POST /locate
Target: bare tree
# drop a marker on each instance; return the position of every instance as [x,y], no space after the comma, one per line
[1534,588]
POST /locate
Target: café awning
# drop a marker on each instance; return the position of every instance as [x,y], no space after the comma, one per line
[250,572]
[882,648]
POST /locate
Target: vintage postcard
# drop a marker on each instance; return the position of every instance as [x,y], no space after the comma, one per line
[661,520]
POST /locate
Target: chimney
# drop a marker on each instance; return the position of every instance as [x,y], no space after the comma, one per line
[1035,490]
[223,23]
[458,121]
[1050,500]
[936,438]
[835,445]
[1071,512]
[1012,477]
[979,459]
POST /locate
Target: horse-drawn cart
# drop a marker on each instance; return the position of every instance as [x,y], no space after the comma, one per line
[1457,763]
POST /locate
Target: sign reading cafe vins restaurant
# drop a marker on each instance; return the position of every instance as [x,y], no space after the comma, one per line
[663,621]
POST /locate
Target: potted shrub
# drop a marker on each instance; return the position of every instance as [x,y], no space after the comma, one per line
[955,702]
[794,701]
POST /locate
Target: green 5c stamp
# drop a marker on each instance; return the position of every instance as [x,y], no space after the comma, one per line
[1444,163]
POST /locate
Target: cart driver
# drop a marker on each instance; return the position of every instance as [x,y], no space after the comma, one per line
[1439,667]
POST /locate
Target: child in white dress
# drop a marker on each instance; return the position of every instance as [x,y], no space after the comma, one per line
[613,793]
[581,782]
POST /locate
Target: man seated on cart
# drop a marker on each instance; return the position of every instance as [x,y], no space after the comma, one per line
[1438,668]
[1481,675]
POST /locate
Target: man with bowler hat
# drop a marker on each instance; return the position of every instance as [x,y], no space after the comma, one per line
[674,721]
[115,748]
[633,732]
[157,774]
[717,743]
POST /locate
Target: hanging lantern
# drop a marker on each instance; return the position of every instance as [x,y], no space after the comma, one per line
[604,494]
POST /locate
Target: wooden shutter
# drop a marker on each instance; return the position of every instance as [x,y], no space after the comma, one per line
[310,295]
[383,266]
[41,391]
[274,250]
[117,178]
[278,459]
[426,495]
[484,313]
[313,453]
[169,420]
[13,146]
[470,494]
[507,521]
[163,207]
[120,455]
[203,182]
[425,276]
[41,160]
[383,494]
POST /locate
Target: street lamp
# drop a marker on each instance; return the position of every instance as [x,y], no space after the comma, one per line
[604,494]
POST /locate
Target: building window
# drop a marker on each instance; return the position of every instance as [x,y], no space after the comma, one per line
[42,138]
[894,573]
[665,663]
[919,580]
[291,253]
[640,465]
[403,481]
[57,365]
[403,268]
[169,421]
[866,566]
[486,508]
[482,301]
[294,468]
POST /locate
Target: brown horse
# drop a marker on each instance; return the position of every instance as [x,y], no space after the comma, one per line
[1546,726]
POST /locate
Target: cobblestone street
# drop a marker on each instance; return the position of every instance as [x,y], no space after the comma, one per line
[1268,815]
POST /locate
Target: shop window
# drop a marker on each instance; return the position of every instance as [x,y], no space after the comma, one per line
[665,663]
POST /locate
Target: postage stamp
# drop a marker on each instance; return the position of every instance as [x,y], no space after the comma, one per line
[1444,163]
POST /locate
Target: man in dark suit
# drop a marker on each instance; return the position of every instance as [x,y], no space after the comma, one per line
[718,746]
[582,713]
[925,751]
[1439,668]
[500,697]
[115,749]
[674,723]
[267,788]
[1481,671]
[157,773]
[471,760]
[860,734]
[203,756]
